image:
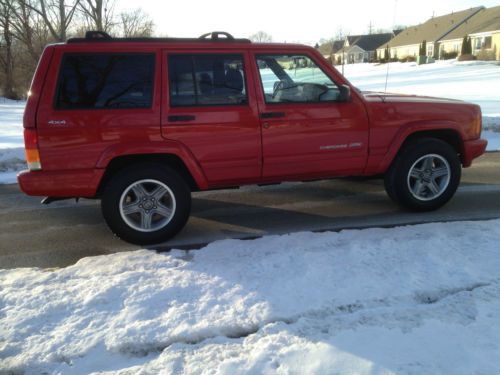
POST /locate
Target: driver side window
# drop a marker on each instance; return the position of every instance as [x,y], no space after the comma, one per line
[294,79]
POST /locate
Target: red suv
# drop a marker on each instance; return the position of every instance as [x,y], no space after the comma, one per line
[141,123]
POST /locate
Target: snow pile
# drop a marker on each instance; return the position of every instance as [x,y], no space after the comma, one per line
[421,299]
[12,157]
[11,123]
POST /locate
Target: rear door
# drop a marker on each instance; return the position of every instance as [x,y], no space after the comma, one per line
[209,106]
[308,131]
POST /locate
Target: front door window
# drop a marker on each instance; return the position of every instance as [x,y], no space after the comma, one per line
[294,78]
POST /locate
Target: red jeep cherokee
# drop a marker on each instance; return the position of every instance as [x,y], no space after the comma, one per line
[140,123]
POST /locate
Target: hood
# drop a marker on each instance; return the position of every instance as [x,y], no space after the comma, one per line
[403,98]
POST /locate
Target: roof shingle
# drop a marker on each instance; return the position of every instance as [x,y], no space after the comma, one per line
[432,30]
[485,20]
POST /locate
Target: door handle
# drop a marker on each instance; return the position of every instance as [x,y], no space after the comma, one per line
[177,118]
[272,114]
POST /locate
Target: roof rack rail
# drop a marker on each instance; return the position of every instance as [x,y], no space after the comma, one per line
[103,37]
[214,35]
[97,35]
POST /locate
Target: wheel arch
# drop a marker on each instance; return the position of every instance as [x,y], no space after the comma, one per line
[119,163]
[450,135]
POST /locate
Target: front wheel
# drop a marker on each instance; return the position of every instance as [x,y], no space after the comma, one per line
[146,204]
[424,176]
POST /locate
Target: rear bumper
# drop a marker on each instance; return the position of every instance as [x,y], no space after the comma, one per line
[472,150]
[80,183]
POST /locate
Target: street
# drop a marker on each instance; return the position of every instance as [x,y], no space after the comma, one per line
[59,234]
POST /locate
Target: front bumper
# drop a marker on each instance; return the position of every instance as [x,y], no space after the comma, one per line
[472,150]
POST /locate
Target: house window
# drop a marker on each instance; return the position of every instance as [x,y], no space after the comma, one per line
[478,42]
[430,50]
[487,42]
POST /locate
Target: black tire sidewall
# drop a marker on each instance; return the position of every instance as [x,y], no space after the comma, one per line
[397,179]
[110,202]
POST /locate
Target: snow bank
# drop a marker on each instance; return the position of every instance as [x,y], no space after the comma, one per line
[418,299]
[12,160]
[12,157]
[11,123]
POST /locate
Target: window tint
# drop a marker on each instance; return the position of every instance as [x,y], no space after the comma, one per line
[106,81]
[206,80]
[294,79]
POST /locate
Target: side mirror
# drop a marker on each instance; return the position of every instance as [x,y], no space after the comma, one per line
[344,93]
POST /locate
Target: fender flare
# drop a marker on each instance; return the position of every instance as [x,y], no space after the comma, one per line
[157,148]
[413,128]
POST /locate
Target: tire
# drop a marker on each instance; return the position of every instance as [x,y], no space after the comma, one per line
[424,176]
[146,204]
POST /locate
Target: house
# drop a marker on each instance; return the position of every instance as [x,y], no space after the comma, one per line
[337,46]
[483,29]
[360,48]
[329,48]
[407,43]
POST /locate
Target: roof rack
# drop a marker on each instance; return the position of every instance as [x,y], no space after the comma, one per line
[103,37]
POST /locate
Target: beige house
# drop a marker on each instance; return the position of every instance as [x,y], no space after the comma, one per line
[407,43]
[483,29]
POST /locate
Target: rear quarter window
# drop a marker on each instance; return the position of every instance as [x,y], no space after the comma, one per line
[105,81]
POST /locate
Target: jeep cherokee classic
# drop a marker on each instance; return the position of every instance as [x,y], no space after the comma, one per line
[141,123]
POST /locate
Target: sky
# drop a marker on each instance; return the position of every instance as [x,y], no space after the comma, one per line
[291,21]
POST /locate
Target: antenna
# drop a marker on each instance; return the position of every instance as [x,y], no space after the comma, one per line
[389,57]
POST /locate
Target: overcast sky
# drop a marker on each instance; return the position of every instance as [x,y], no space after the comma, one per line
[304,21]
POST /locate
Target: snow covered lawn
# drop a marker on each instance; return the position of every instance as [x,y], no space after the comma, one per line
[419,299]
[473,81]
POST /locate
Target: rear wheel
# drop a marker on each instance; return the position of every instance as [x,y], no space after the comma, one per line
[146,204]
[424,176]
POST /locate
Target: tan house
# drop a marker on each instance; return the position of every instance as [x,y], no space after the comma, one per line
[484,31]
[407,43]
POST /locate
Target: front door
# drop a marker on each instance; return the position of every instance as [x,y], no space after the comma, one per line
[307,130]
[208,106]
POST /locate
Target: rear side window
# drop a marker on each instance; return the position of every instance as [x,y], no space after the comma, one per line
[212,79]
[101,80]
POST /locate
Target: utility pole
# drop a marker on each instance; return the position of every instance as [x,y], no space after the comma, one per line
[370,28]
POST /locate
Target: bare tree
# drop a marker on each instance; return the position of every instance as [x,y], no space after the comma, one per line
[29,29]
[56,14]
[261,37]
[136,24]
[98,14]
[6,40]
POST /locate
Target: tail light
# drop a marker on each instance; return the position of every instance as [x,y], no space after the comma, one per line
[32,153]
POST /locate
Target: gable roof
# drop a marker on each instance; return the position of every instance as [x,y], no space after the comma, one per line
[337,46]
[485,20]
[371,42]
[433,29]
